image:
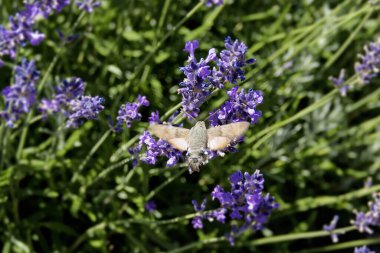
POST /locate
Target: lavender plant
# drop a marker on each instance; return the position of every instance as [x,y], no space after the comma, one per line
[71,180]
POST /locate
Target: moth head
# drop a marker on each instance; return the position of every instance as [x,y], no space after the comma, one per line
[200,124]
[196,160]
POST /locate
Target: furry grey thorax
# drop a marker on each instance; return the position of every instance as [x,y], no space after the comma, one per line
[196,152]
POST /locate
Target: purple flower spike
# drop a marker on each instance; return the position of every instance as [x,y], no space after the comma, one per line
[369,65]
[197,222]
[85,107]
[154,118]
[87,5]
[364,220]
[241,106]
[129,113]
[331,227]
[205,75]
[232,60]
[20,31]
[363,249]
[155,149]
[20,97]
[68,90]
[339,82]
[210,3]
[245,203]
[150,206]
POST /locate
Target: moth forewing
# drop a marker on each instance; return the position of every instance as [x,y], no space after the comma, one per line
[178,137]
[220,137]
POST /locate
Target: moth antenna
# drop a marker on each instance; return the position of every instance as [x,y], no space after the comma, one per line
[194,120]
[212,114]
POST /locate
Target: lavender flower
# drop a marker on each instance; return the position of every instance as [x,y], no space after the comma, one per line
[363,220]
[87,5]
[47,7]
[205,75]
[196,84]
[331,227]
[150,206]
[241,106]
[71,102]
[154,118]
[245,203]
[368,67]
[85,107]
[68,90]
[197,222]
[368,182]
[20,30]
[339,82]
[20,97]
[363,249]
[155,149]
[231,62]
[129,111]
[209,3]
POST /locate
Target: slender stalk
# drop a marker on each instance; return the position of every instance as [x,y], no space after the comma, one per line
[348,41]
[164,184]
[266,240]
[345,245]
[140,67]
[91,153]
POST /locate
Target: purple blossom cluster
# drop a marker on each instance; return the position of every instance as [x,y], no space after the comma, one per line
[369,64]
[245,203]
[363,249]
[20,29]
[154,149]
[87,5]
[241,106]
[70,101]
[364,220]
[205,75]
[129,112]
[86,107]
[331,227]
[20,96]
[339,82]
[150,206]
[210,3]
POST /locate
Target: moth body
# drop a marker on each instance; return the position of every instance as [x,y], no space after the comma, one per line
[196,151]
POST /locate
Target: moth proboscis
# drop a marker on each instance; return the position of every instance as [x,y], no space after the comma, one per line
[198,139]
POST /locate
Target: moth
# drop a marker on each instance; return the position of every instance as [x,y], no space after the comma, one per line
[197,140]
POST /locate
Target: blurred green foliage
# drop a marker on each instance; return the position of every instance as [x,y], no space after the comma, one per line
[65,194]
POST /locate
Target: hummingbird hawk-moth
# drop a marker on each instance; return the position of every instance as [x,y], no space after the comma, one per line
[197,140]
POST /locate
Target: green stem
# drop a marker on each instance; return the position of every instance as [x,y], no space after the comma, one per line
[344,245]
[124,148]
[108,170]
[298,115]
[25,129]
[91,153]
[266,240]
[140,67]
[347,42]
[2,145]
[300,236]
[161,186]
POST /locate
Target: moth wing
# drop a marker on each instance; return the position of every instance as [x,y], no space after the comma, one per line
[178,137]
[220,137]
[178,143]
